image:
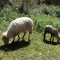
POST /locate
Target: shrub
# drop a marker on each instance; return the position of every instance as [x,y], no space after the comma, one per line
[7,13]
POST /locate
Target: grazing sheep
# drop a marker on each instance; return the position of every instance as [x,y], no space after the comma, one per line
[53,31]
[17,26]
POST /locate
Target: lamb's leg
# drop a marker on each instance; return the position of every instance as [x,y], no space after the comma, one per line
[50,37]
[58,38]
[18,37]
[23,35]
[44,36]
[58,41]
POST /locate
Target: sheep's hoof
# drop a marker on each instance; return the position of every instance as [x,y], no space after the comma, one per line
[18,40]
[43,39]
[50,40]
[22,38]
[58,42]
[12,41]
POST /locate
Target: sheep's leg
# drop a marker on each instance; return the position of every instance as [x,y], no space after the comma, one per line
[29,36]
[23,35]
[18,37]
[13,40]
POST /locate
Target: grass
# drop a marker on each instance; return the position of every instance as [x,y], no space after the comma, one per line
[41,20]
[36,49]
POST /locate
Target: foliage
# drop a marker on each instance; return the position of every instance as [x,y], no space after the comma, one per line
[36,49]
[8,14]
[41,20]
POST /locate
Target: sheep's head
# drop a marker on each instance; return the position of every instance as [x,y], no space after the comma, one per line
[4,38]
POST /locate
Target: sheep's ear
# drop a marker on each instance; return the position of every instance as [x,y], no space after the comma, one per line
[4,34]
[4,37]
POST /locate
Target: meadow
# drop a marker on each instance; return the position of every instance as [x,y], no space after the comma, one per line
[36,49]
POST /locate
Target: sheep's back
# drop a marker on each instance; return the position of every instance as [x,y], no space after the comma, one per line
[20,25]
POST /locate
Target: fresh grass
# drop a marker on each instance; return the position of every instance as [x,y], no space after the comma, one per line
[41,20]
[37,49]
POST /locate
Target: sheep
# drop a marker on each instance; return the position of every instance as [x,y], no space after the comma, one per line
[53,31]
[19,25]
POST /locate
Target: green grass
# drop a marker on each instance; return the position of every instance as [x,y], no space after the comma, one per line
[41,20]
[37,49]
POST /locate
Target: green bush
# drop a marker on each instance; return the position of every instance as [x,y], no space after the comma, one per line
[8,14]
[41,20]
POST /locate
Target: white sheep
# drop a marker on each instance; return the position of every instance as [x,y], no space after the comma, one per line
[17,26]
[53,31]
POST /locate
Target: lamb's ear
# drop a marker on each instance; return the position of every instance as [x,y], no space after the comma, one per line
[59,35]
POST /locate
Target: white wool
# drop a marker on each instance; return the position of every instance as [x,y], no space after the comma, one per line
[19,25]
[4,33]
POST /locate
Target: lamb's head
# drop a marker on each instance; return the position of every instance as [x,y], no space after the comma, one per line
[5,38]
[58,37]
